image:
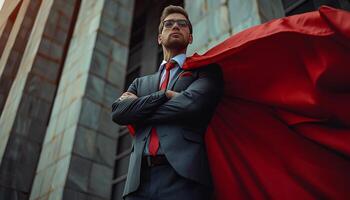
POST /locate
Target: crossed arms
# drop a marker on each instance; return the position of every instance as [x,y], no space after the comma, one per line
[164,106]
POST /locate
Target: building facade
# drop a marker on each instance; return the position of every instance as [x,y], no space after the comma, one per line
[64,62]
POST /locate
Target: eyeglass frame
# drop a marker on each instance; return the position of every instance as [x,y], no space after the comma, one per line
[176,21]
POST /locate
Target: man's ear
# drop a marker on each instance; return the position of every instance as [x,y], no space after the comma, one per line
[159,39]
[190,39]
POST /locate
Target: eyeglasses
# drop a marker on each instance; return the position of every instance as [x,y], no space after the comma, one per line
[180,22]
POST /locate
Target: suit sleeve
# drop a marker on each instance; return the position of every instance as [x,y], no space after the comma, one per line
[131,111]
[200,97]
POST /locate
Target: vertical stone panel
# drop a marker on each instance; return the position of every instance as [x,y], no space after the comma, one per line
[30,99]
[61,134]
[214,21]
[92,78]
[2,27]
[8,15]
[210,21]
[270,9]
[9,45]
[5,34]
[7,9]
[12,104]
[149,61]
[14,98]
[116,28]
[19,160]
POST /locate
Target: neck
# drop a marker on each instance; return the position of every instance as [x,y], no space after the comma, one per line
[170,53]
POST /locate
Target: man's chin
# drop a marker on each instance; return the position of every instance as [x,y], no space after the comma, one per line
[177,45]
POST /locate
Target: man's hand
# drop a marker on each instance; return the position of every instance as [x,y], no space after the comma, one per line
[170,94]
[127,95]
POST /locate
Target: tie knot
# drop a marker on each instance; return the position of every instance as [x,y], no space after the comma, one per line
[170,65]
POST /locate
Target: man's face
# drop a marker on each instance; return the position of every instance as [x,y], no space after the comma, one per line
[177,36]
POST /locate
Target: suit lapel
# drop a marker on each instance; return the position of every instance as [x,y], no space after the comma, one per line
[173,81]
[155,82]
[176,77]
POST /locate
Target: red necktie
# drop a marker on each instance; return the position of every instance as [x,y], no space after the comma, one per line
[154,140]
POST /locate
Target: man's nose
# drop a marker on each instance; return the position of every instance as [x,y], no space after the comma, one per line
[176,26]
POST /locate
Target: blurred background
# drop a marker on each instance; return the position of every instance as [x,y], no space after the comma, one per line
[64,62]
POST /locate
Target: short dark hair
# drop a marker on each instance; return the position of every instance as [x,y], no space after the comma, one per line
[170,10]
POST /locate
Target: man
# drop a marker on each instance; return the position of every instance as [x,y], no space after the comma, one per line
[170,111]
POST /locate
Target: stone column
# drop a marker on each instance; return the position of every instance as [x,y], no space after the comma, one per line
[7,18]
[15,46]
[13,101]
[78,153]
[15,183]
[27,110]
[2,27]
[8,7]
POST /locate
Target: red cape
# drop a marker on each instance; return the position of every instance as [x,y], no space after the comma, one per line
[282,129]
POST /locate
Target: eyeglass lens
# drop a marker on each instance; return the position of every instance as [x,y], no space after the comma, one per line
[171,23]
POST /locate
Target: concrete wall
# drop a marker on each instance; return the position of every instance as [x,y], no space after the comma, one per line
[78,153]
[214,21]
[63,66]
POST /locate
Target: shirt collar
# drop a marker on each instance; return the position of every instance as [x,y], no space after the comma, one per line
[179,59]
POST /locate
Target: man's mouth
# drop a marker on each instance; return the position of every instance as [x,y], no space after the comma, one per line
[175,34]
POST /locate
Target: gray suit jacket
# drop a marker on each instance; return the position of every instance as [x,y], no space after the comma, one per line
[180,122]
